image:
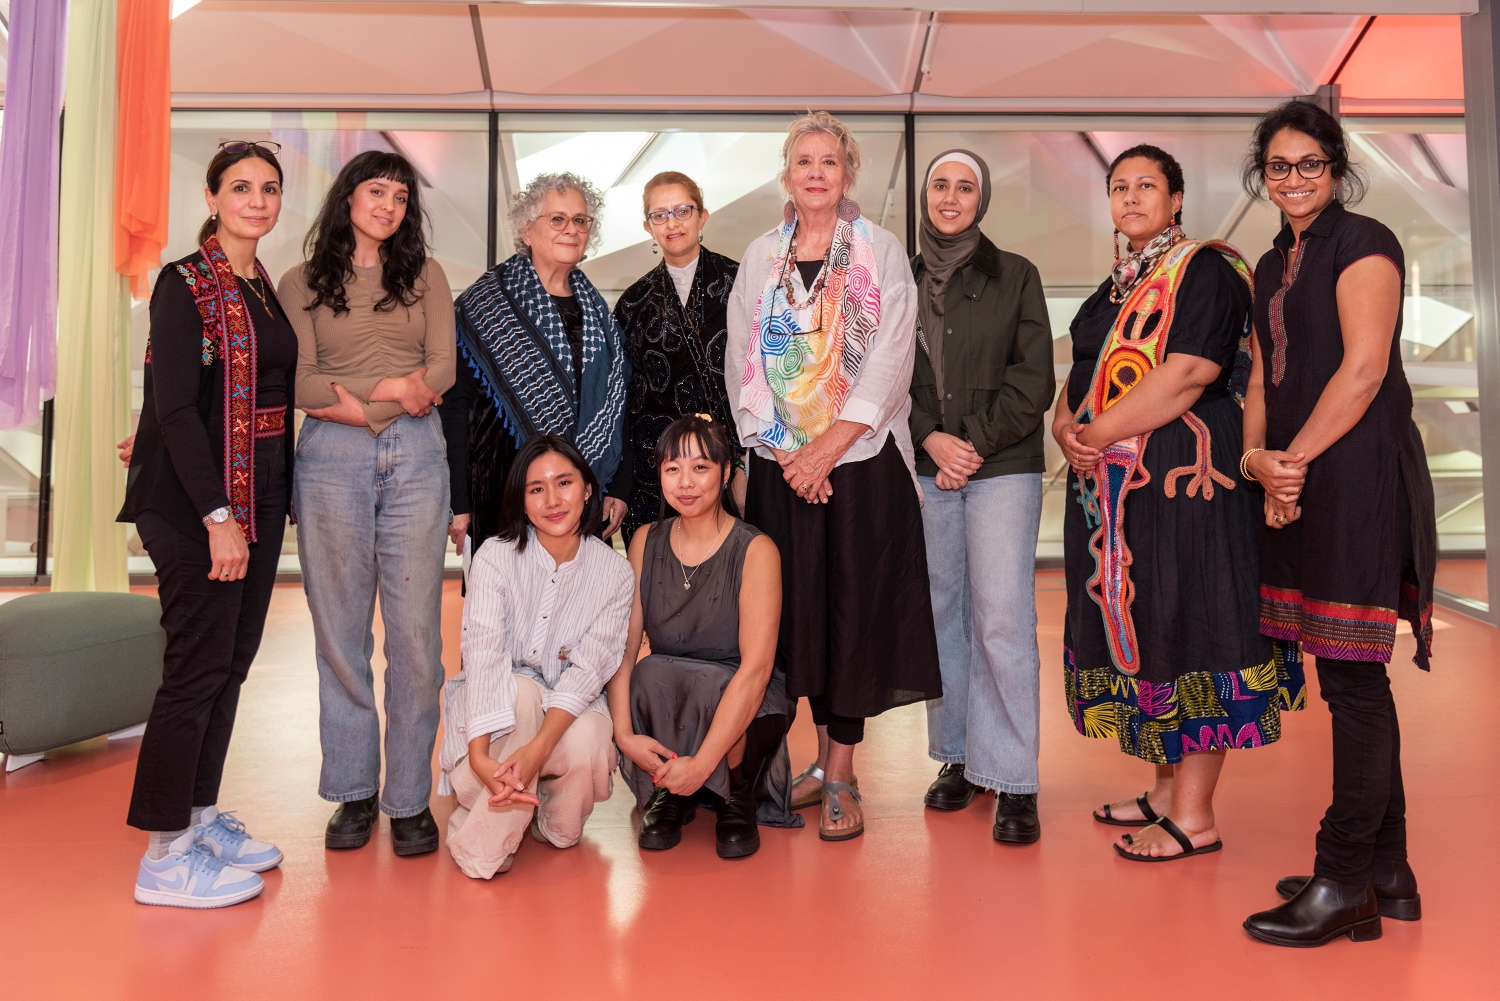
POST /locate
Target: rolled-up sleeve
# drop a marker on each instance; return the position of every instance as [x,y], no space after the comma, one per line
[594,658]
[490,685]
[881,392]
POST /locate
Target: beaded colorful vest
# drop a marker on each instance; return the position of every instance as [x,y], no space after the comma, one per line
[1129,354]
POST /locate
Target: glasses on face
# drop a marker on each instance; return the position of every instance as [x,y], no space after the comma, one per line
[234,147]
[1280,170]
[559,222]
[682,213]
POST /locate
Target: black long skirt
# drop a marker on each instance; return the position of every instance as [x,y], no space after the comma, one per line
[856,612]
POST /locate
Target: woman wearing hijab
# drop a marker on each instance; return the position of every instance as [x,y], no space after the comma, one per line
[980,390]
[1162,649]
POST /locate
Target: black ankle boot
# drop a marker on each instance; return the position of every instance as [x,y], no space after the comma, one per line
[1320,912]
[1395,889]
[1016,820]
[661,824]
[950,790]
[351,824]
[736,834]
[414,835]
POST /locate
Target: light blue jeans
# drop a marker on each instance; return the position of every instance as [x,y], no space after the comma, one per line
[981,559]
[372,519]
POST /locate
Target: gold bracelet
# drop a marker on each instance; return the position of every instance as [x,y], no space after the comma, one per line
[1244,460]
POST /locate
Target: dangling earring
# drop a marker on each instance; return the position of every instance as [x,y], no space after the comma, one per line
[848,209]
[789,213]
[655,247]
[1114,241]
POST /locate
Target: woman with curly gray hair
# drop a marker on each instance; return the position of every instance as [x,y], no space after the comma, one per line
[539,353]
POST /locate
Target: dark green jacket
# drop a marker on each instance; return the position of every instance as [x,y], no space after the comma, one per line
[997,353]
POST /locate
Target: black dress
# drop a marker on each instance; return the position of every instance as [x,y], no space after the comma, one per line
[1365,548]
[676,354]
[1208,679]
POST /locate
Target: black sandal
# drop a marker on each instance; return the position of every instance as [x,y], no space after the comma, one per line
[1146,811]
[1182,839]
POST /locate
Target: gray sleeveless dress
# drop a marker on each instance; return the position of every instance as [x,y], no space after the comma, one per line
[695,650]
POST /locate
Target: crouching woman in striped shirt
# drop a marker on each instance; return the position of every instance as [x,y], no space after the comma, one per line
[528,733]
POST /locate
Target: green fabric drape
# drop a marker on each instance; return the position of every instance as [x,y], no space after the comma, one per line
[93,370]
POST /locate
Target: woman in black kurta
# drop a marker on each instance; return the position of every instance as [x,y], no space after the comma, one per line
[1207,680]
[1349,538]
[675,326]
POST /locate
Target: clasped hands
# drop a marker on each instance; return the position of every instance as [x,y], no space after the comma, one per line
[681,776]
[956,459]
[806,470]
[1283,475]
[513,780]
[411,391]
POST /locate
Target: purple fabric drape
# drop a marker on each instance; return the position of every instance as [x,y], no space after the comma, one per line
[29,145]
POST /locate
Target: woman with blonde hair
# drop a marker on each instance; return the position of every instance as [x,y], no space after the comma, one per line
[822,335]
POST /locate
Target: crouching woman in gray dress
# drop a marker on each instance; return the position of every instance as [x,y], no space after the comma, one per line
[708,711]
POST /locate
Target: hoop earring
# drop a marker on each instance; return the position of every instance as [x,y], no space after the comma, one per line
[848,209]
[655,247]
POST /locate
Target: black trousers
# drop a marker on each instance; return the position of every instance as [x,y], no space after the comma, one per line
[213,630]
[841,729]
[1367,818]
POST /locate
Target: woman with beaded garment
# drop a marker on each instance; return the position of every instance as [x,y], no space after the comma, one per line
[374,321]
[1349,544]
[1161,646]
[539,353]
[674,322]
[708,712]
[822,335]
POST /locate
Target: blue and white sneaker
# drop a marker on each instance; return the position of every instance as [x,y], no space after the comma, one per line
[225,834]
[193,876]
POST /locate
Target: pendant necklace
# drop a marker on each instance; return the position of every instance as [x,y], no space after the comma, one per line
[687,578]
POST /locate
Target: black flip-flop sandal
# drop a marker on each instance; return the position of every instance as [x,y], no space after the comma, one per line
[1146,811]
[1182,839]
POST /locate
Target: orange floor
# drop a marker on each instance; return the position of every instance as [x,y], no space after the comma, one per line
[925,905]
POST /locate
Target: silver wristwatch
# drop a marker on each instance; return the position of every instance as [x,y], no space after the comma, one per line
[217,517]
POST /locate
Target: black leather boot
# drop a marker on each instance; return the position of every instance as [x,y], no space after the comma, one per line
[736,834]
[661,824]
[351,823]
[1016,820]
[1320,912]
[950,790]
[414,835]
[1395,889]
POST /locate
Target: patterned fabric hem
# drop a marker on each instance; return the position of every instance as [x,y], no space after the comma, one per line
[1330,629]
[1200,711]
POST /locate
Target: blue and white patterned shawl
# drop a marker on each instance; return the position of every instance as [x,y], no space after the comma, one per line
[525,362]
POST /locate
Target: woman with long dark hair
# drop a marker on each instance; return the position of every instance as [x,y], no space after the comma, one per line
[374,321]
[675,323]
[209,491]
[703,718]
[1349,544]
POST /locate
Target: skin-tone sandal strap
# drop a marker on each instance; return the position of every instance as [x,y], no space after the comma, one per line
[1165,823]
[1144,802]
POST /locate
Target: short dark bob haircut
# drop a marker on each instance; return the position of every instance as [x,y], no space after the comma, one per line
[1165,162]
[1319,126]
[513,520]
[678,441]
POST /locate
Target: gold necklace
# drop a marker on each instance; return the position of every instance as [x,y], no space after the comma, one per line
[687,578]
[258,289]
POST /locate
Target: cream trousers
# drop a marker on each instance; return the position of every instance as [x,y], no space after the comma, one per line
[577,774]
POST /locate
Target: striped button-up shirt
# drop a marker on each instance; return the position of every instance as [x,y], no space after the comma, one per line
[562,626]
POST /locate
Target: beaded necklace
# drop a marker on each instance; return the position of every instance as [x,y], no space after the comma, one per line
[817,285]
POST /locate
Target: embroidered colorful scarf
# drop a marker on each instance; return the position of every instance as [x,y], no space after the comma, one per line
[229,334]
[795,382]
[1128,355]
[512,337]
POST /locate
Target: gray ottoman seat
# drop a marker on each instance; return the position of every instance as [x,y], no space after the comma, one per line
[73,666]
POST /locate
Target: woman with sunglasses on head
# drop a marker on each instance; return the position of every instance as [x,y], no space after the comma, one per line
[1162,650]
[1349,544]
[209,491]
[703,718]
[545,620]
[539,354]
[675,325]
[374,319]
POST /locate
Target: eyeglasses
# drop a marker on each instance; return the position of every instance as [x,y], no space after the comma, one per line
[682,213]
[1280,170]
[560,222]
[234,147]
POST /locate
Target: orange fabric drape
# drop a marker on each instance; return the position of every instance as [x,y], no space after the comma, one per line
[144,150]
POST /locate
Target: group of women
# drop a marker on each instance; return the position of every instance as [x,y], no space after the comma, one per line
[827,460]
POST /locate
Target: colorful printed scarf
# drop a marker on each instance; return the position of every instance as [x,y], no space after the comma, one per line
[1127,272]
[1128,356]
[512,337]
[795,382]
[229,334]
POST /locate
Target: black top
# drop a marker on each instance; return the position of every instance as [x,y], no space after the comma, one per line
[997,365]
[1211,306]
[809,270]
[176,469]
[676,354]
[572,318]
